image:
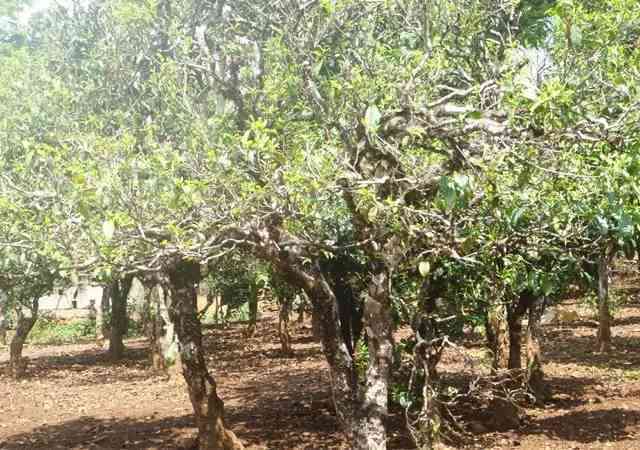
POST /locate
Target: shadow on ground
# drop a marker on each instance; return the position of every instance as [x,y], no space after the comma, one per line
[95,363]
[565,347]
[589,426]
[93,433]
[275,422]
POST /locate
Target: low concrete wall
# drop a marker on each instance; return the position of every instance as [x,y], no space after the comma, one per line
[76,301]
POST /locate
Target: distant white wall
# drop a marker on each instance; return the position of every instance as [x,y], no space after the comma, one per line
[64,302]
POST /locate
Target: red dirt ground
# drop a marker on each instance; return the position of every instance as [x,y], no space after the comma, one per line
[75,398]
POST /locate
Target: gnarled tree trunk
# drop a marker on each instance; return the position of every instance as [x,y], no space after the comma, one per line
[183,277]
[344,380]
[358,413]
[426,425]
[604,315]
[515,312]
[25,323]
[156,329]
[535,375]
[515,339]
[378,325]
[164,342]
[361,410]
[147,311]
[283,326]
[119,293]
[498,336]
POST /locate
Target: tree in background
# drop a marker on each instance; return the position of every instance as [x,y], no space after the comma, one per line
[370,152]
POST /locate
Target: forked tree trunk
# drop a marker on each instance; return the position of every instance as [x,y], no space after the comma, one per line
[535,375]
[351,406]
[283,326]
[326,324]
[360,411]
[24,326]
[498,332]
[207,406]
[119,293]
[604,314]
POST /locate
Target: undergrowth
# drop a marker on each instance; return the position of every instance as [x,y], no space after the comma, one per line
[52,331]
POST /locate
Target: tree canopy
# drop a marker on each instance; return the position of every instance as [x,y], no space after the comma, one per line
[428,163]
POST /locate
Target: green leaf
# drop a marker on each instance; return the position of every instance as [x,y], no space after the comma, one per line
[372,214]
[424,268]
[372,118]
[462,181]
[603,225]
[329,6]
[108,229]
[515,216]
[475,115]
[547,286]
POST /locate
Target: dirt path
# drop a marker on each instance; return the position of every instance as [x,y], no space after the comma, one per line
[75,398]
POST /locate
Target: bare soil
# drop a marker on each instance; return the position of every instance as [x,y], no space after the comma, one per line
[74,397]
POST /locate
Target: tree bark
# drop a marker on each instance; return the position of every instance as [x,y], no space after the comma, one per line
[378,325]
[515,311]
[361,412]
[253,309]
[515,340]
[156,330]
[344,381]
[426,427]
[604,314]
[3,332]
[301,305]
[24,326]
[208,407]
[497,325]
[119,293]
[164,342]
[535,375]
[103,327]
[347,397]
[146,313]
[3,320]
[283,326]
[429,421]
